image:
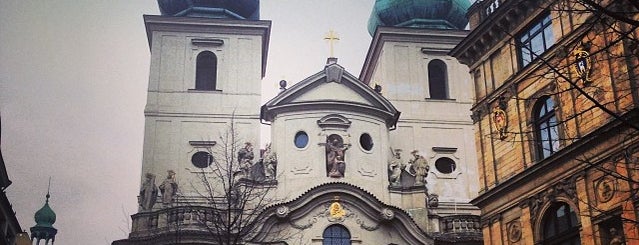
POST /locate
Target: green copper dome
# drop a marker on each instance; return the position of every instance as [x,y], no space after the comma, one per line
[428,14]
[45,217]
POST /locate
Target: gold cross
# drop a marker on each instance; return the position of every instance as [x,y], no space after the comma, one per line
[331,37]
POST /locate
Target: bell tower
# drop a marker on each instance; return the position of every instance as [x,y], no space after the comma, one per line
[207,62]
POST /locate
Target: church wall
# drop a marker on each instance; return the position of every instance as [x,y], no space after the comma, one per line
[302,169]
[402,71]
[170,148]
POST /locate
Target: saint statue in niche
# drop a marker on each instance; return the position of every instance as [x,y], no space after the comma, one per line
[335,149]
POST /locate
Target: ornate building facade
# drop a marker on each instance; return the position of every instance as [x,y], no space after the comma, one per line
[344,165]
[555,116]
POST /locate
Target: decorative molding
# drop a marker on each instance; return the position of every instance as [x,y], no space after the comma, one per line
[207,42]
[334,121]
[301,170]
[514,230]
[448,150]
[564,188]
[203,143]
[367,173]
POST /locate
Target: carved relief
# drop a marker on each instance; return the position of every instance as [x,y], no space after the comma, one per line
[514,231]
[605,188]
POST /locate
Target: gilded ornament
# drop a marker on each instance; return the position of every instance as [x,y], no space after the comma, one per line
[500,122]
[582,64]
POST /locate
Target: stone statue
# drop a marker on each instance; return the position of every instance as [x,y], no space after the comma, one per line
[245,159]
[420,165]
[168,188]
[335,149]
[433,200]
[148,193]
[270,163]
[395,168]
[616,239]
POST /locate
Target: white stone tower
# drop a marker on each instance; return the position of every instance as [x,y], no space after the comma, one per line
[408,60]
[207,63]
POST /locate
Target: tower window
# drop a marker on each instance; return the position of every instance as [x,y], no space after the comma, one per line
[437,80]
[445,165]
[201,159]
[546,128]
[206,71]
[336,235]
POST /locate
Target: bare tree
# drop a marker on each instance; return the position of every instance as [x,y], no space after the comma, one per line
[232,192]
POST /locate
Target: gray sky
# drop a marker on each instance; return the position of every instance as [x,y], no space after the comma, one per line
[73,79]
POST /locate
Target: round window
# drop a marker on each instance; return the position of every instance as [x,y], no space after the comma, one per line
[301,139]
[366,141]
[445,165]
[201,159]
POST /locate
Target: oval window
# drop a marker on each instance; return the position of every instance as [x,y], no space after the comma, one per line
[201,159]
[445,165]
[301,139]
[366,141]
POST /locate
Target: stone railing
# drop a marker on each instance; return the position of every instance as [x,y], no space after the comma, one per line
[175,218]
[460,224]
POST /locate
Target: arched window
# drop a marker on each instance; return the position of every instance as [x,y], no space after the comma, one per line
[560,225]
[206,71]
[546,129]
[437,80]
[336,235]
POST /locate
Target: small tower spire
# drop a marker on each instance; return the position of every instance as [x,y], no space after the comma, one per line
[44,218]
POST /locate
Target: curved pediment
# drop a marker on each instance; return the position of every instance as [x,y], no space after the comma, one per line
[345,204]
[331,89]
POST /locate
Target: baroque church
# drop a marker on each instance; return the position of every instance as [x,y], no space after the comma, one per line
[386,157]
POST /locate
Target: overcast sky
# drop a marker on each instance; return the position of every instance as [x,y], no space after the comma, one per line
[73,80]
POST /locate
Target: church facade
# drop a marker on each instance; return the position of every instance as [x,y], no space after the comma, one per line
[555,115]
[383,158]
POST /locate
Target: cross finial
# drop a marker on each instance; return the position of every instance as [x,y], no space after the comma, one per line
[49,189]
[331,37]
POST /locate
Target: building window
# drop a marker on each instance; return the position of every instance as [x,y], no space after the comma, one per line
[445,165]
[535,40]
[611,231]
[437,80]
[336,235]
[366,142]
[546,127]
[560,226]
[201,159]
[206,71]
[301,139]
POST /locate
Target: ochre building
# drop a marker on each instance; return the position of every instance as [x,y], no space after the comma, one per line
[556,120]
